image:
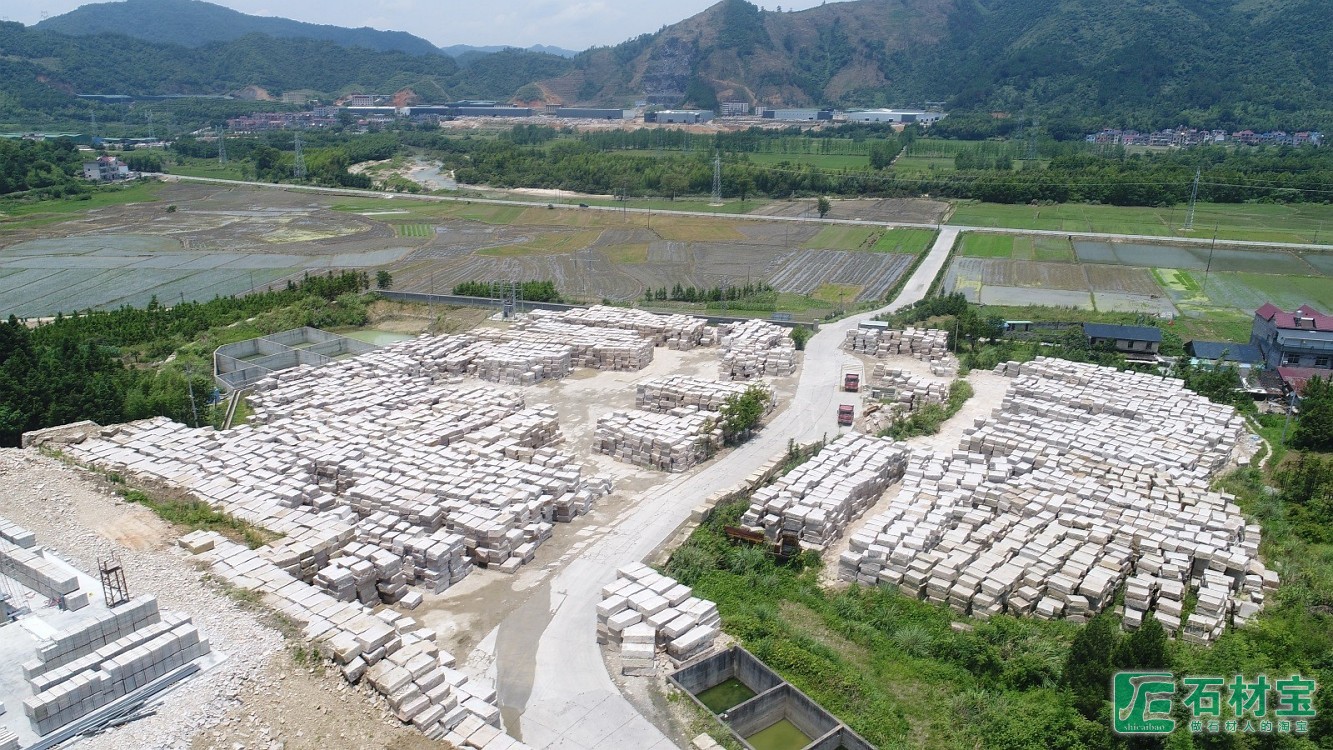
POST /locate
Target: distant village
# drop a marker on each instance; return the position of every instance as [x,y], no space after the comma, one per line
[1187,137]
[369,109]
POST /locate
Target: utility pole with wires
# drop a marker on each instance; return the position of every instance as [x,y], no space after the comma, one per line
[222,146]
[717,179]
[298,164]
[1194,198]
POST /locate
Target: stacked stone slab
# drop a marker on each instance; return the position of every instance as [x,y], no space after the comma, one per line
[642,611]
[907,391]
[8,740]
[754,349]
[522,363]
[597,348]
[672,331]
[392,652]
[81,670]
[1086,479]
[665,394]
[328,448]
[819,498]
[30,569]
[65,646]
[674,441]
[929,345]
[17,535]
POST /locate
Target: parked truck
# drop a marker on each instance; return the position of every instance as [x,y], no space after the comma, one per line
[851,382]
[846,415]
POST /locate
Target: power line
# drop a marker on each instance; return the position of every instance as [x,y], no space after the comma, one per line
[1194,199]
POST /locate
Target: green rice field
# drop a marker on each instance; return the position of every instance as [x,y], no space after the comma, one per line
[1299,223]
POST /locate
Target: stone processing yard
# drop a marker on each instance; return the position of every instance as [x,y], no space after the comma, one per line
[464,518]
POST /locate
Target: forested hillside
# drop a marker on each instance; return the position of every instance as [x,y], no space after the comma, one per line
[1074,66]
[193,23]
[41,70]
[46,169]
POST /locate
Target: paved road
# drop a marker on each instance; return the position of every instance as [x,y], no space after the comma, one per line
[1105,236]
[569,701]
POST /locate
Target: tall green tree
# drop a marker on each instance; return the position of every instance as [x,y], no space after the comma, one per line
[1145,648]
[1090,664]
[1314,429]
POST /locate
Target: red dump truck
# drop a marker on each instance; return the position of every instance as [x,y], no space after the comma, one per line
[846,415]
[851,382]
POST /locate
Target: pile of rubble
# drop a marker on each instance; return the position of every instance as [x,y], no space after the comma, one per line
[671,331]
[392,652]
[1084,480]
[330,448]
[679,391]
[80,670]
[753,349]
[643,611]
[926,344]
[819,498]
[674,441]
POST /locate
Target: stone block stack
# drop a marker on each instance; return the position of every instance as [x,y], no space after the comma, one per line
[331,447]
[929,345]
[30,568]
[671,331]
[674,441]
[819,498]
[665,394]
[1086,480]
[643,611]
[522,363]
[391,652]
[755,349]
[80,670]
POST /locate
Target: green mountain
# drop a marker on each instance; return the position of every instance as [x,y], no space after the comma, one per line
[40,71]
[1145,63]
[996,65]
[193,23]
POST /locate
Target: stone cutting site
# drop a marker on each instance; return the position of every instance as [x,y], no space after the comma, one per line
[385,480]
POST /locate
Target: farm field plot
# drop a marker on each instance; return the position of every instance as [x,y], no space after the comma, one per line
[1300,222]
[545,243]
[1193,292]
[842,237]
[1194,258]
[1016,247]
[1033,274]
[907,210]
[913,241]
[414,230]
[1120,280]
[803,272]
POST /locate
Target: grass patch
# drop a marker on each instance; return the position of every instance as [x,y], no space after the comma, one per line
[413,230]
[1176,280]
[689,229]
[187,167]
[634,253]
[838,294]
[842,237]
[914,241]
[1053,249]
[981,245]
[197,515]
[15,214]
[1265,222]
[545,244]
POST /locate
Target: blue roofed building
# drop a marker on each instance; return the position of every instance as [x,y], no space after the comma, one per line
[1243,356]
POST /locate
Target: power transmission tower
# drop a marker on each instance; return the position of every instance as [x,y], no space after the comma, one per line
[222,146]
[717,179]
[298,167]
[93,133]
[1194,198]
[1032,141]
[152,135]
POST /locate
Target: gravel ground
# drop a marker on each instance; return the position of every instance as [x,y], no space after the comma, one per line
[259,696]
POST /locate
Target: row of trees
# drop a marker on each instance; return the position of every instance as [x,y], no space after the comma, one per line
[680,293]
[533,291]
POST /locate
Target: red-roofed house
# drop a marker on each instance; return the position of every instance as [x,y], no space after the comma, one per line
[1302,338]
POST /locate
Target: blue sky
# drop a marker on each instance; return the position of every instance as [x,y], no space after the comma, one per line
[573,24]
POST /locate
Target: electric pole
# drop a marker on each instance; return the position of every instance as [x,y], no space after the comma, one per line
[222,146]
[1194,198]
[717,179]
[298,164]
